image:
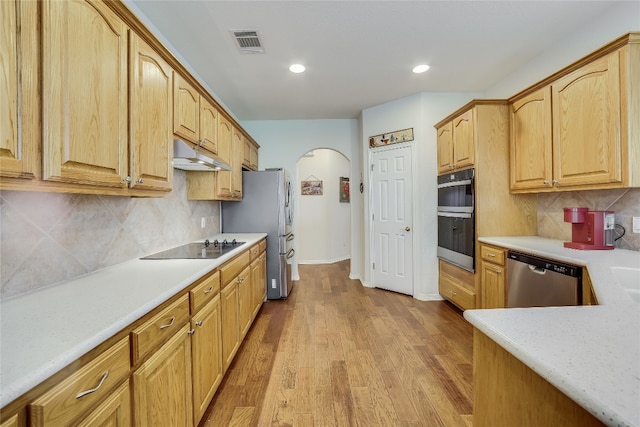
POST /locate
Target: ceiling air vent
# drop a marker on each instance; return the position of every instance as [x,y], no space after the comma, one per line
[248,41]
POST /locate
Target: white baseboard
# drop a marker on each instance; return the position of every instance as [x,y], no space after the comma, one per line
[323,261]
[354,277]
[367,285]
[295,278]
[428,297]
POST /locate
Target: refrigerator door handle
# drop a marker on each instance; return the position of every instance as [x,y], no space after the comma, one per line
[290,237]
[291,253]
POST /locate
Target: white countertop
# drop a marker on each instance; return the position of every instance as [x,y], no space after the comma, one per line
[590,353]
[43,331]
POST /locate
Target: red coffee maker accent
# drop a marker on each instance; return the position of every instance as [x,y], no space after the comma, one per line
[590,229]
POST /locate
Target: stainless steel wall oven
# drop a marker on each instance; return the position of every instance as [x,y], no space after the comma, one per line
[456,218]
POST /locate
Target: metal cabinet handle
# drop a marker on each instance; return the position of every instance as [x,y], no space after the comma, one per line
[199,323]
[545,182]
[240,279]
[191,331]
[139,181]
[84,393]
[173,319]
[498,271]
[555,181]
[454,293]
[208,291]
[489,254]
[127,179]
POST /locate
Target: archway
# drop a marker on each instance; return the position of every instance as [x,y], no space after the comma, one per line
[323,221]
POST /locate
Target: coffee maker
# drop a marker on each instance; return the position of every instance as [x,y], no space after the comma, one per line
[590,229]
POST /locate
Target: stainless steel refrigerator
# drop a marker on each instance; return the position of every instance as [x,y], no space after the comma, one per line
[266,207]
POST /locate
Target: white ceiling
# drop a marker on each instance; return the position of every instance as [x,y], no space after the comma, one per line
[358,54]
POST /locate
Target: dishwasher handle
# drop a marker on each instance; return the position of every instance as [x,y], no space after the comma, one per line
[540,265]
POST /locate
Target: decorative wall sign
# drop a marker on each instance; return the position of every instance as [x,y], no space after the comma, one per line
[344,189]
[311,188]
[396,137]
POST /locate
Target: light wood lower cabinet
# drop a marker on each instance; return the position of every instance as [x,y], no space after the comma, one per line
[508,393]
[259,281]
[206,356]
[457,285]
[245,300]
[493,275]
[91,384]
[162,385]
[229,302]
[114,411]
[16,420]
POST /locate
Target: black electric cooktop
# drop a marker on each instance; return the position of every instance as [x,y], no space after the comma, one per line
[206,250]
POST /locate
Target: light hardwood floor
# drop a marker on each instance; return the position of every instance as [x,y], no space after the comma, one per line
[338,354]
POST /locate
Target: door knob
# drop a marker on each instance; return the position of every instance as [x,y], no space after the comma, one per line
[407,228]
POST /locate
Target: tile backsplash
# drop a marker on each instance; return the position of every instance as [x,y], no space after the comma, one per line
[624,202]
[46,238]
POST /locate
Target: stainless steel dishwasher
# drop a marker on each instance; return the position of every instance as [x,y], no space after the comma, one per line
[539,282]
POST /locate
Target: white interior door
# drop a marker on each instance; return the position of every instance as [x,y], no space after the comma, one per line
[391,187]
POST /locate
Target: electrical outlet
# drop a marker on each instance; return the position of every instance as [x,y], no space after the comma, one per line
[203,222]
[636,224]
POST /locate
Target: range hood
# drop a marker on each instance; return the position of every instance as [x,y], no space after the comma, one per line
[188,158]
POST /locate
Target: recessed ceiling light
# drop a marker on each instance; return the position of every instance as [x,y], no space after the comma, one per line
[420,68]
[297,68]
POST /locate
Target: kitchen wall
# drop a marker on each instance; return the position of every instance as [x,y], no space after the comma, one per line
[51,237]
[323,225]
[624,202]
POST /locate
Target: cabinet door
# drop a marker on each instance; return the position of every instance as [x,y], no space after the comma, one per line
[186,109]
[531,156]
[162,385]
[151,105]
[223,178]
[258,282]
[246,153]
[230,323]
[445,148]
[254,158]
[19,79]
[587,124]
[463,146]
[206,346]
[493,286]
[237,150]
[208,126]
[84,94]
[245,299]
[114,411]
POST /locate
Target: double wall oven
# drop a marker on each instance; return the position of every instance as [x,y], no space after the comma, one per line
[456,218]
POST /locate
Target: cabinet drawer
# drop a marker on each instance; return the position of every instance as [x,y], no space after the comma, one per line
[159,328]
[254,251]
[204,292]
[263,245]
[457,294]
[232,268]
[82,389]
[493,254]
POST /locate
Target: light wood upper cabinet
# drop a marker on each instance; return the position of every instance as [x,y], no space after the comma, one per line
[19,90]
[151,98]
[206,356]
[531,155]
[208,126]
[225,141]
[84,94]
[463,143]
[580,130]
[587,124]
[162,385]
[186,109]
[445,148]
[194,118]
[237,148]
[456,148]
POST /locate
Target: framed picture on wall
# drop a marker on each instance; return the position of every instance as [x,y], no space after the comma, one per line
[311,188]
[344,189]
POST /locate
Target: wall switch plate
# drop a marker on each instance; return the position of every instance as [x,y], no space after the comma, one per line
[203,222]
[636,224]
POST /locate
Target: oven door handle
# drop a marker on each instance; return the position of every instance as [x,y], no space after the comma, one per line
[454,214]
[454,183]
